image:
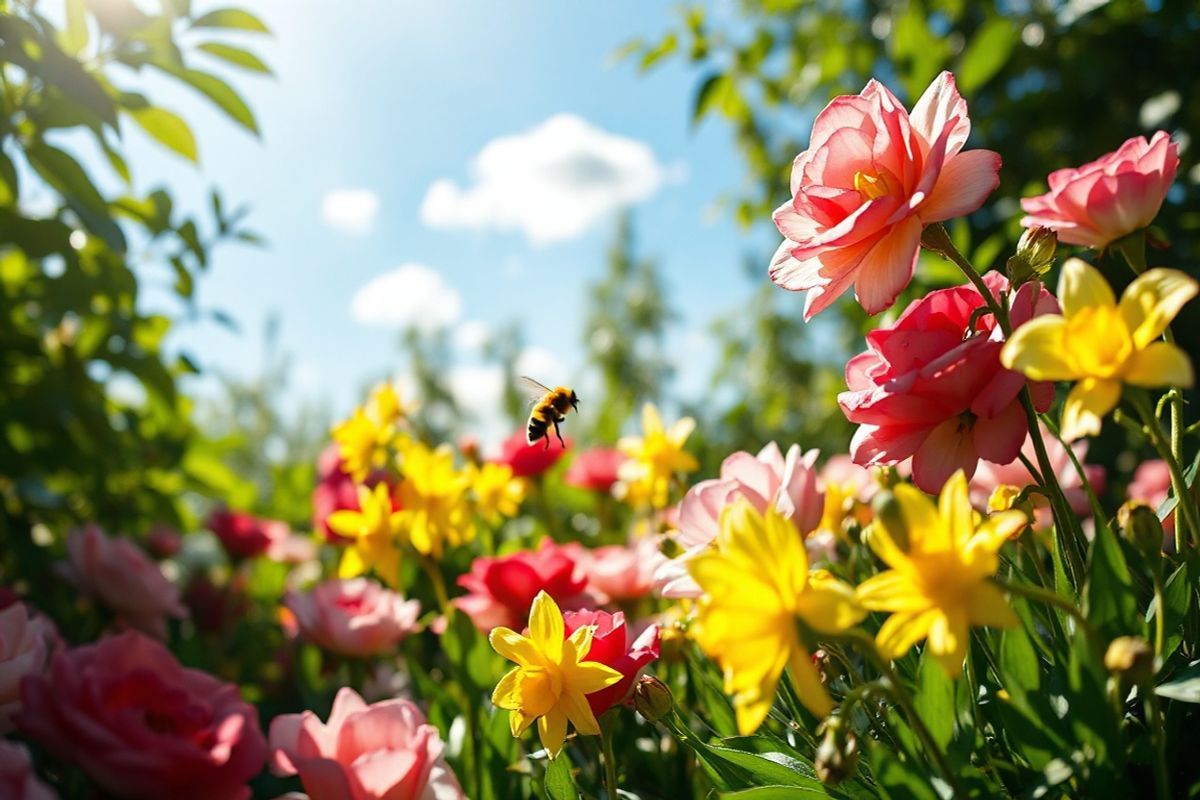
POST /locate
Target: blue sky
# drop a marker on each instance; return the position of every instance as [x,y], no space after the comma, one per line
[386,98]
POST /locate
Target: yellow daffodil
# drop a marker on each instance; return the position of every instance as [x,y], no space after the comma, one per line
[498,493]
[654,458]
[1102,344]
[756,584]
[362,444]
[385,407]
[375,529]
[551,681]
[433,496]
[938,587]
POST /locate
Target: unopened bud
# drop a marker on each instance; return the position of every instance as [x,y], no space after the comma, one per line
[1035,255]
[1141,527]
[652,699]
[837,755]
[1131,659]
[889,517]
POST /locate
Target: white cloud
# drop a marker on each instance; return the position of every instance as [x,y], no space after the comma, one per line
[542,365]
[479,390]
[351,211]
[412,295]
[552,182]
[472,334]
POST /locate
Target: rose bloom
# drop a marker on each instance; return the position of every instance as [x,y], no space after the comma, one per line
[501,589]
[247,536]
[384,751]
[143,726]
[163,541]
[335,491]
[595,469]
[122,577]
[356,617]
[17,779]
[872,178]
[929,389]
[789,484]
[26,642]
[1109,198]
[527,460]
[619,572]
[611,647]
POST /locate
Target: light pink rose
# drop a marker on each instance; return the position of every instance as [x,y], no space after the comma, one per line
[620,572]
[141,725]
[1151,484]
[385,751]
[26,643]
[768,479]
[357,617]
[122,577]
[872,178]
[1111,197]
[17,779]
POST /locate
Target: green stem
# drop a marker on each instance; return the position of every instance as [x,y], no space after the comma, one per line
[1159,611]
[1158,728]
[1052,598]
[439,584]
[1185,509]
[1093,500]
[610,761]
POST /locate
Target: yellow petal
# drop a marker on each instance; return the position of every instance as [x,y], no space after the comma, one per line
[807,682]
[681,430]
[902,630]
[1159,364]
[1152,301]
[546,627]
[955,510]
[883,545]
[352,564]
[829,606]
[892,590]
[576,707]
[986,605]
[1038,349]
[1087,404]
[651,420]
[345,523]
[1081,286]
[591,676]
[515,647]
[519,722]
[948,639]
[926,531]
[751,707]
[579,643]
[997,529]
[552,729]
[505,695]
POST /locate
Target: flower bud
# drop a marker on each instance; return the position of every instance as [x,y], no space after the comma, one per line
[1035,255]
[652,699]
[1141,527]
[1130,659]
[890,518]
[837,754]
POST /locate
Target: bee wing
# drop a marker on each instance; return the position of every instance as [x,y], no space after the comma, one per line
[533,390]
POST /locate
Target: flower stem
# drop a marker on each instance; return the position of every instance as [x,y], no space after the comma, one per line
[1159,611]
[1158,728]
[439,584]
[1052,598]
[1183,501]
[1093,500]
[610,761]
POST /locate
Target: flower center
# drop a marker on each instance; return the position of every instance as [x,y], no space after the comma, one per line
[1099,340]
[869,186]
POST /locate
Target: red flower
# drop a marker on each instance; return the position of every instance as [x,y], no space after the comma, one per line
[931,386]
[336,491]
[501,590]
[243,535]
[610,646]
[595,469]
[527,460]
[141,725]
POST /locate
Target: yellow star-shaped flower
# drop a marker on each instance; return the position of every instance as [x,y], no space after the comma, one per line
[375,529]
[654,458]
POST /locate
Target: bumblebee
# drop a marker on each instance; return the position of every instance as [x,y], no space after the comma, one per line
[550,407]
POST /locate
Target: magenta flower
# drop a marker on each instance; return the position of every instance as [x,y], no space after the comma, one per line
[611,647]
[500,590]
[356,617]
[931,389]
[872,178]
[1111,197]
[595,469]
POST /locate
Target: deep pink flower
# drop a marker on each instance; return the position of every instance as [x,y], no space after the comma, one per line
[122,577]
[619,572]
[143,726]
[1111,197]
[17,778]
[872,178]
[527,460]
[610,646]
[501,589]
[769,478]
[595,469]
[163,541]
[247,536]
[384,751]
[26,643]
[930,389]
[356,617]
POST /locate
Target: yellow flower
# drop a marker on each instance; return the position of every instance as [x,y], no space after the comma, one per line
[433,498]
[497,493]
[362,444]
[654,458]
[551,680]
[384,406]
[939,587]
[1102,344]
[756,584]
[375,529]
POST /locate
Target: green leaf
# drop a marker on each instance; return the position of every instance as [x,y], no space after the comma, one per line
[232,19]
[708,96]
[74,35]
[990,47]
[1177,597]
[63,173]
[664,48]
[218,91]
[167,128]
[235,55]
[774,793]
[1019,666]
[1109,598]
[559,783]
[935,699]
[1184,687]
[901,778]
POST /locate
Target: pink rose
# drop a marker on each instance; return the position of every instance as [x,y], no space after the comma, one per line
[1113,196]
[143,726]
[17,779]
[26,643]
[500,590]
[872,178]
[930,389]
[384,751]
[122,577]
[610,646]
[595,469]
[356,617]
[620,572]
[787,483]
